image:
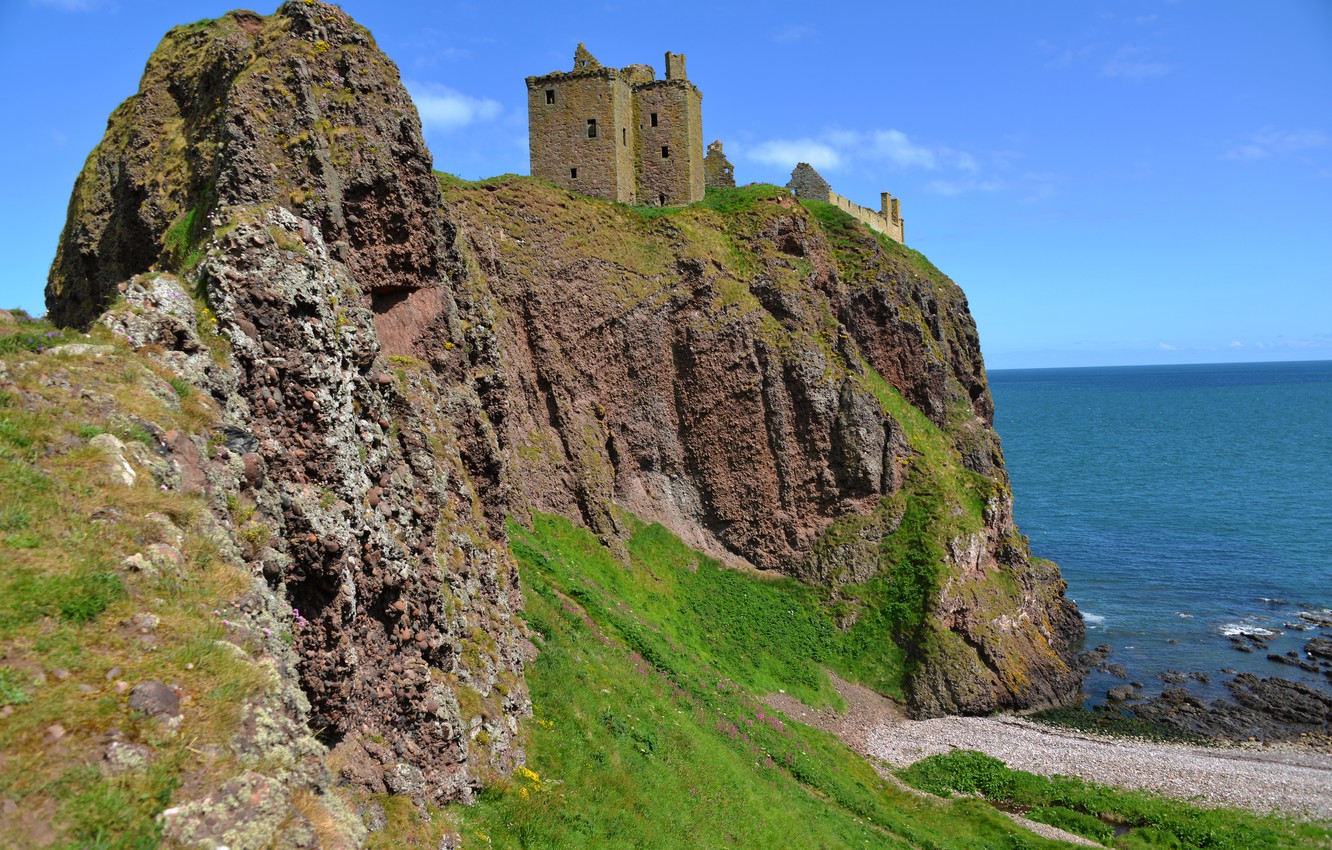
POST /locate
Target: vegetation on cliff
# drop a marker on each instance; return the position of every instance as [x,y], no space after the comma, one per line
[782,388]
[263,527]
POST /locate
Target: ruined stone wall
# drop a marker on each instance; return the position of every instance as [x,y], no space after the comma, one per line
[671,150]
[808,184]
[873,219]
[717,169]
[560,147]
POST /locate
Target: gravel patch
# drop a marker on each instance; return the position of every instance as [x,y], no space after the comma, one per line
[1289,781]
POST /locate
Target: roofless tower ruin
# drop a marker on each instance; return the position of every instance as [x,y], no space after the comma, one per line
[618,133]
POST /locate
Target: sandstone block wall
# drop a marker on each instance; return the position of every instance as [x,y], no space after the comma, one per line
[717,169]
[631,158]
[670,124]
[808,184]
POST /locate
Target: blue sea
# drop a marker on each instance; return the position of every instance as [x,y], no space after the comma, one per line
[1183,504]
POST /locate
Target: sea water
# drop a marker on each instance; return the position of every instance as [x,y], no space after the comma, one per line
[1184,504]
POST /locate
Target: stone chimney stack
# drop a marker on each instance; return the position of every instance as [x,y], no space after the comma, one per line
[675,66]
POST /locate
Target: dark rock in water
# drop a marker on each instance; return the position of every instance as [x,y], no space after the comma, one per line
[1319,647]
[1093,659]
[1318,619]
[1120,693]
[1173,677]
[1271,709]
[1199,676]
[1293,660]
[1119,671]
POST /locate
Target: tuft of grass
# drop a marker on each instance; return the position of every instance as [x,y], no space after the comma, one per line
[182,246]
[11,693]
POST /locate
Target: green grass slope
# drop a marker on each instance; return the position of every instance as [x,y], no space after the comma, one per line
[649,731]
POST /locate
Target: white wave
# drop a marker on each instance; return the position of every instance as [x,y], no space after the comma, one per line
[1093,620]
[1233,629]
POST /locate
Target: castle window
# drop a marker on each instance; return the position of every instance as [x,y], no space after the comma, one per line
[665,152]
[550,95]
[624,136]
[573,172]
[654,119]
[591,128]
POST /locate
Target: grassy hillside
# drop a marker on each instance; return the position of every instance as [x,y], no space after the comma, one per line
[649,730]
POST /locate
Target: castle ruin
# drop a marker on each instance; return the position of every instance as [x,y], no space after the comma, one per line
[618,133]
[808,184]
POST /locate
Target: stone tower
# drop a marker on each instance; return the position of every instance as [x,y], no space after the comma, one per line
[618,133]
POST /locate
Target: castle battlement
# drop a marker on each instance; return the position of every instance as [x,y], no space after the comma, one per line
[618,133]
[808,184]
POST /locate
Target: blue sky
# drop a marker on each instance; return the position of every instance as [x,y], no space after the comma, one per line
[1110,182]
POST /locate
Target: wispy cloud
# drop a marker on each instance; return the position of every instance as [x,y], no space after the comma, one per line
[793,34]
[787,152]
[1134,63]
[953,171]
[446,109]
[1270,142]
[1165,346]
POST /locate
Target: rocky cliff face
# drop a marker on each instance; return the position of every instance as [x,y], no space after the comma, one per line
[403,369]
[775,388]
[278,163]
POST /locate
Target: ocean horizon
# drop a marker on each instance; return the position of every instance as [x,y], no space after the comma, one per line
[1187,507]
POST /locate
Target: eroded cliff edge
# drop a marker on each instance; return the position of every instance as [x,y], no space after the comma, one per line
[788,391]
[410,365]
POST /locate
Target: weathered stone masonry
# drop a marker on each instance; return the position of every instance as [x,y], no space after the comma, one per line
[618,133]
[810,185]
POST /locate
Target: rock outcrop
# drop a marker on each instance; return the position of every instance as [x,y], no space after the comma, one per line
[774,389]
[403,369]
[277,162]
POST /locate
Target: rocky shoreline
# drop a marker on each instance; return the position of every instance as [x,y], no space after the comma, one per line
[1284,778]
[1291,777]
[1258,709]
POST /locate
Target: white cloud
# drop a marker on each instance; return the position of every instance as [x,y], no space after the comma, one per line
[1165,346]
[954,172]
[1133,63]
[443,108]
[1234,343]
[793,34]
[1269,142]
[787,152]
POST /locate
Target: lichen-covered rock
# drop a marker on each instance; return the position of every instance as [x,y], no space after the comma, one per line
[275,165]
[298,109]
